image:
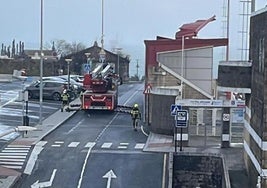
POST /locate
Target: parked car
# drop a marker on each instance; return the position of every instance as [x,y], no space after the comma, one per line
[52,89]
[76,85]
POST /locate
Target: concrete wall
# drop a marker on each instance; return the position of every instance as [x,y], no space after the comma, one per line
[161,120]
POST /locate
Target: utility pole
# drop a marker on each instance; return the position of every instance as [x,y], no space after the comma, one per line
[137,67]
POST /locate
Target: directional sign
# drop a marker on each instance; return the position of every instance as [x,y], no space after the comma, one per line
[175,108]
[181,118]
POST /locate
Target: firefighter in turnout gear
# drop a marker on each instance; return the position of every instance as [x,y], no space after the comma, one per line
[136,115]
[65,99]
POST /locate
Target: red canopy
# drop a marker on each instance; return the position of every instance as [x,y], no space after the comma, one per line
[191,29]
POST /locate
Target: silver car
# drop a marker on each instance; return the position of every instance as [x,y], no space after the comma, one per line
[52,89]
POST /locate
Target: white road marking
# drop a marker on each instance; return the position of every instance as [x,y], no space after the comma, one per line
[12,156]
[122,147]
[84,164]
[13,151]
[14,160]
[18,146]
[124,144]
[89,144]
[55,145]
[139,146]
[59,142]
[34,156]
[18,154]
[11,163]
[12,167]
[106,145]
[73,144]
[49,183]
[10,148]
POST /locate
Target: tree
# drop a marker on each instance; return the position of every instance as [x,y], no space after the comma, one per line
[63,47]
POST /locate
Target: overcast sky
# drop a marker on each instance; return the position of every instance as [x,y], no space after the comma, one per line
[127,23]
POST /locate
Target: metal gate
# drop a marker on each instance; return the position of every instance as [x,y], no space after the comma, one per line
[204,127]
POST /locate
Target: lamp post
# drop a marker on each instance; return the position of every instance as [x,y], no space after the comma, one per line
[41,67]
[182,67]
[118,60]
[88,65]
[68,61]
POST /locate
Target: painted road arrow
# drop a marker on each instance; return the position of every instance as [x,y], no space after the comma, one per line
[110,174]
[46,183]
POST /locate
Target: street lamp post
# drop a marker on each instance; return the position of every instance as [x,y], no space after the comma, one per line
[68,61]
[41,67]
[88,66]
[182,67]
[118,60]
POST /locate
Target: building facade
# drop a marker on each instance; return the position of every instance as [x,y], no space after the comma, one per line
[255,134]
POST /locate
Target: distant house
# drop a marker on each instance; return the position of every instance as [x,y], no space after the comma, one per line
[35,54]
[92,56]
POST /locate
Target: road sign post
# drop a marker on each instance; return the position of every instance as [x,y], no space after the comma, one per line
[181,122]
[147,92]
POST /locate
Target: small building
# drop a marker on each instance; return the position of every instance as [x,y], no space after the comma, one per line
[178,68]
[85,60]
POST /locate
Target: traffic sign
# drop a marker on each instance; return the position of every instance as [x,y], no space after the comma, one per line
[86,67]
[148,89]
[175,108]
[181,118]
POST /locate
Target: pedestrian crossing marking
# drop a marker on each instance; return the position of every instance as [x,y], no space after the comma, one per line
[124,144]
[18,146]
[9,148]
[73,144]
[122,147]
[14,160]
[139,146]
[11,163]
[59,142]
[12,156]
[55,145]
[90,144]
[12,167]
[106,145]
[12,151]
[3,154]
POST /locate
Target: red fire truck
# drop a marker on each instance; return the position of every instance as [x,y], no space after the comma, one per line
[100,89]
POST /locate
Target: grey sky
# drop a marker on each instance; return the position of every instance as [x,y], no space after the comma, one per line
[127,23]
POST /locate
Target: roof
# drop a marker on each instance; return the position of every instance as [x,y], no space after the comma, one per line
[192,29]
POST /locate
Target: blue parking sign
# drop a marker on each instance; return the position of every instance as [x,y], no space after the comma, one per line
[175,108]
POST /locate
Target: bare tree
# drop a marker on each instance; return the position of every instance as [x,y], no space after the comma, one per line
[63,47]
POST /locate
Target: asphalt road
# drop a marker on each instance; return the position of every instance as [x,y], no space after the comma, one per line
[98,149]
